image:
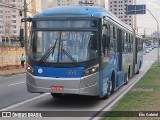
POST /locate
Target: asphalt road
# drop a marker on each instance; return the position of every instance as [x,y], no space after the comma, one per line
[14,95]
[13,90]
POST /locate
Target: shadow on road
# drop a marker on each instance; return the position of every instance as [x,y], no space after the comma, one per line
[69,101]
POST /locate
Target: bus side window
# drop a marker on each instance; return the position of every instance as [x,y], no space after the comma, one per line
[111,48]
[93,42]
[132,43]
[106,39]
[115,38]
[124,42]
[129,43]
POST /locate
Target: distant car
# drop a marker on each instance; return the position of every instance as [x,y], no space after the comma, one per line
[148,49]
[156,45]
[152,46]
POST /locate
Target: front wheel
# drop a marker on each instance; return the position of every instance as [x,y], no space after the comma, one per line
[56,95]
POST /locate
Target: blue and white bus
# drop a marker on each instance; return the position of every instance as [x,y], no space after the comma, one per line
[81,50]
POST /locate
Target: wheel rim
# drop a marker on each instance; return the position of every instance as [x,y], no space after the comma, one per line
[127,78]
[110,86]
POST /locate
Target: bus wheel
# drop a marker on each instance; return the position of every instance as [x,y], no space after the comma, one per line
[109,92]
[113,83]
[56,95]
[137,72]
[139,68]
[126,77]
[111,89]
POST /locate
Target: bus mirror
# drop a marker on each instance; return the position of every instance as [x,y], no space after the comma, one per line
[26,20]
[21,37]
[21,34]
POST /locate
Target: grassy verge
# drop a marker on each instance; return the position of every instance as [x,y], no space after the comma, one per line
[144,96]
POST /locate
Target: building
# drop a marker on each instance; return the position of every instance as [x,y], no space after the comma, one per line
[33,7]
[92,2]
[63,2]
[10,18]
[53,3]
[118,8]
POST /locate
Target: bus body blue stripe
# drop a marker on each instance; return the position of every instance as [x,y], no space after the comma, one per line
[59,72]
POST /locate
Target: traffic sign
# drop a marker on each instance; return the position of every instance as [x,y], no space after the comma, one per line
[135,9]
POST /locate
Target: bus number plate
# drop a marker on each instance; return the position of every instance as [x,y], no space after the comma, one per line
[57,88]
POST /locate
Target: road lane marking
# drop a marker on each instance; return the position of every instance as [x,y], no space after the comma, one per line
[117,98]
[16,84]
[23,102]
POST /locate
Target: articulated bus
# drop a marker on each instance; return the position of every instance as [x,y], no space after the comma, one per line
[82,50]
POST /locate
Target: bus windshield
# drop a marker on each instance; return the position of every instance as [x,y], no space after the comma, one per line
[67,46]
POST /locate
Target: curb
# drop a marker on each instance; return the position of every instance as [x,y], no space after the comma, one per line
[10,74]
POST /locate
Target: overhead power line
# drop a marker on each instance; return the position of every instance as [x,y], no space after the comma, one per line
[29,3]
[8,5]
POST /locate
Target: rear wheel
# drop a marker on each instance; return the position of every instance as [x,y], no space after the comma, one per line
[113,83]
[139,68]
[126,78]
[56,95]
[137,72]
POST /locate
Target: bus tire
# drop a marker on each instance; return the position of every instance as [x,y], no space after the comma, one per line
[137,72]
[105,97]
[126,77]
[56,95]
[110,90]
[139,68]
[113,82]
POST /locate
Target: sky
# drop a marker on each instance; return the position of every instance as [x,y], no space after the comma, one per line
[147,21]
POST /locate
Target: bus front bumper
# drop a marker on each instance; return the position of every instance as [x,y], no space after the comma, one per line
[84,86]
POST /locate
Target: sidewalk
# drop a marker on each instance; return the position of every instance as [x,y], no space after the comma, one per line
[12,71]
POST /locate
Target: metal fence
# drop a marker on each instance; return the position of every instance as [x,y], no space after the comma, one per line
[10,56]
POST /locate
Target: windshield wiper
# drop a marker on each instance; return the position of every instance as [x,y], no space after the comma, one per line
[69,56]
[46,55]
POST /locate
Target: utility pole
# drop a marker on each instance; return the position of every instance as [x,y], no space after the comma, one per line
[25,23]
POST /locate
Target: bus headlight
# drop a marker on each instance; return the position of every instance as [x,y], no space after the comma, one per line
[90,71]
[30,69]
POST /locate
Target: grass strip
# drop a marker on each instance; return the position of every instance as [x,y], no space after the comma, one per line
[144,96]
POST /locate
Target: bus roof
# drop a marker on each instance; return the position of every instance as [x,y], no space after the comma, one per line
[73,11]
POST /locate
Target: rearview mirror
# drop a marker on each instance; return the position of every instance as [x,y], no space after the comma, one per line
[21,38]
